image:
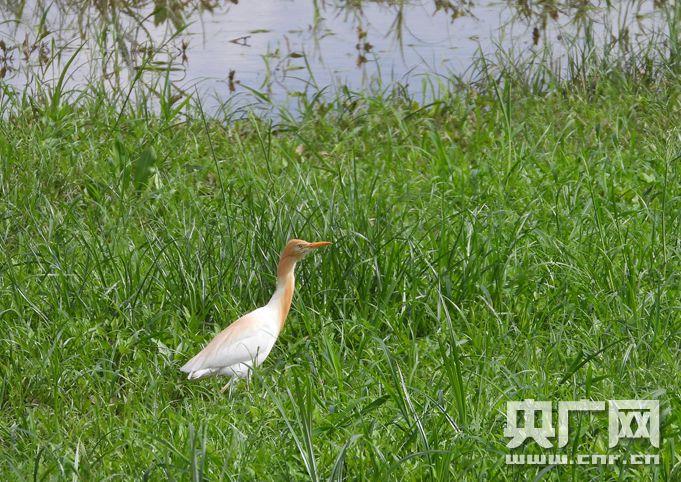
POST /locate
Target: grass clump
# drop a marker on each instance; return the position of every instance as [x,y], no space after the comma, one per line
[495,245]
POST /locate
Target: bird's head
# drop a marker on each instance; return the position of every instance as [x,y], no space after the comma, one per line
[298,249]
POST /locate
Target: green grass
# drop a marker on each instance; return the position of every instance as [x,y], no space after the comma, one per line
[493,246]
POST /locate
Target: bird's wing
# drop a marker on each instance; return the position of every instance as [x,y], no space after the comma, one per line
[240,342]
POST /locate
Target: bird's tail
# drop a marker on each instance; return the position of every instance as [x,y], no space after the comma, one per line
[206,372]
[192,368]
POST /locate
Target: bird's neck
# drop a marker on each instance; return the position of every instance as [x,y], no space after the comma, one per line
[283,295]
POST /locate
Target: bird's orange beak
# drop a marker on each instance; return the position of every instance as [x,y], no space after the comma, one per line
[318,244]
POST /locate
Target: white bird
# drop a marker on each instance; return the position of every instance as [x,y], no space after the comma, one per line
[245,344]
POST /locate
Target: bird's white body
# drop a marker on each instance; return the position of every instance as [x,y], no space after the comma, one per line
[247,342]
[244,344]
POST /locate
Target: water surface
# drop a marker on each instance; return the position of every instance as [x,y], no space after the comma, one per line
[282,48]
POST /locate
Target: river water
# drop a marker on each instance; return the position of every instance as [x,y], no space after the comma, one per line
[281,49]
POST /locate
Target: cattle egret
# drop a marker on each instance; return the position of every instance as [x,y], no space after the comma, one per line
[245,344]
